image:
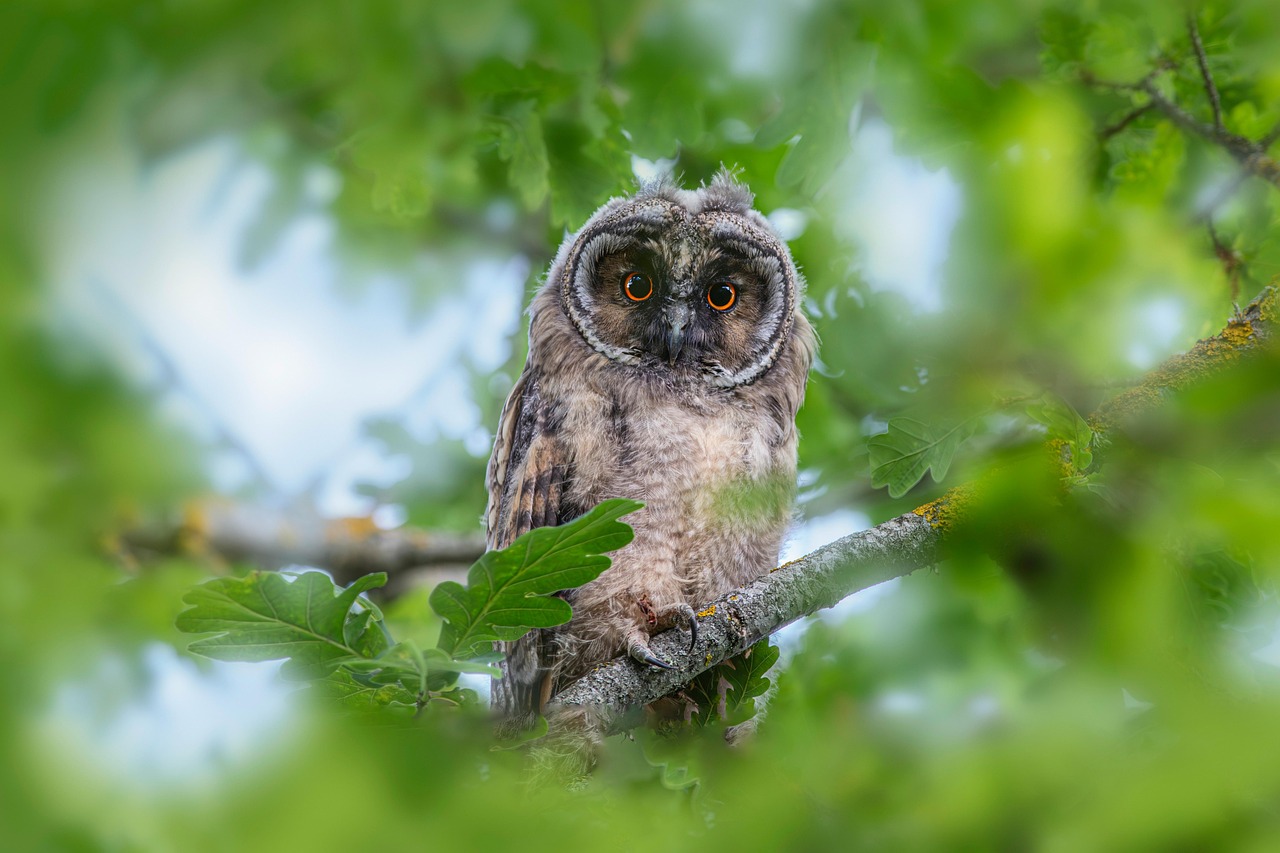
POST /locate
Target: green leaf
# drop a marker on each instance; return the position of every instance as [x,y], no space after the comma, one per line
[510,591]
[520,143]
[673,112]
[816,123]
[264,616]
[1147,165]
[727,692]
[439,661]
[417,671]
[585,170]
[358,693]
[1113,51]
[1064,34]
[747,678]
[901,456]
[1065,424]
[401,186]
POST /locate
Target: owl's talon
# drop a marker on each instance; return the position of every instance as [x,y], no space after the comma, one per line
[691,619]
[642,653]
[665,616]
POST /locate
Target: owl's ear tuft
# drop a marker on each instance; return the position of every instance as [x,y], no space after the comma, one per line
[726,192]
[662,185]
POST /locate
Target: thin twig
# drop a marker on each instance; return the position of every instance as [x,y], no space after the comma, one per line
[1250,155]
[1230,259]
[1272,135]
[1108,132]
[1203,62]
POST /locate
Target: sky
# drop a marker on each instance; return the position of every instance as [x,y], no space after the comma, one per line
[278,356]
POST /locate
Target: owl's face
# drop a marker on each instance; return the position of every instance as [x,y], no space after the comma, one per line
[694,283]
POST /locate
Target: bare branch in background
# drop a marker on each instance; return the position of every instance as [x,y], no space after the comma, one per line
[345,547]
[1271,137]
[1129,118]
[1252,156]
[1203,61]
[1232,263]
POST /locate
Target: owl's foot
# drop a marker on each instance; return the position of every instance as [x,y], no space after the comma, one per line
[658,619]
[672,613]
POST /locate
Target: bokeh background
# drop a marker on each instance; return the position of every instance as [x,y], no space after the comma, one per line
[275,255]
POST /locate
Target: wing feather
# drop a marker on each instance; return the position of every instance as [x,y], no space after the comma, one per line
[525,480]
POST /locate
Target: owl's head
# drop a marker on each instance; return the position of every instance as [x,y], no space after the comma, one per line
[692,282]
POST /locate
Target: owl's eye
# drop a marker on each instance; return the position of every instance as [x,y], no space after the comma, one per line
[722,295]
[637,286]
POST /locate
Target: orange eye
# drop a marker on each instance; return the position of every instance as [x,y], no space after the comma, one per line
[722,295]
[637,286]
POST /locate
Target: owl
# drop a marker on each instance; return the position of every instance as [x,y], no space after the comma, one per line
[667,359]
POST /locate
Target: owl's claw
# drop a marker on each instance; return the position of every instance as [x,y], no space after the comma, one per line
[641,652]
[691,619]
[658,619]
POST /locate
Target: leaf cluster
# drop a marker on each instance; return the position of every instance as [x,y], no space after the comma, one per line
[726,693]
[337,639]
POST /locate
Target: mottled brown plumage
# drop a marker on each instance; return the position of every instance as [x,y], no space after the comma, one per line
[663,399]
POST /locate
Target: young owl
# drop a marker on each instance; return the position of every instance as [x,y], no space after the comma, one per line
[667,358]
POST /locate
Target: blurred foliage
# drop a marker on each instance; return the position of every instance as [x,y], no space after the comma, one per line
[1092,668]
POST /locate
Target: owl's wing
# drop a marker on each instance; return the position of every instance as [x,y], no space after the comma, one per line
[525,481]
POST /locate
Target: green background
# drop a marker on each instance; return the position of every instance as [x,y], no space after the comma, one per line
[1090,668]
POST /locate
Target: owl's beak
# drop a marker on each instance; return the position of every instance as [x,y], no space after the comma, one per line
[677,319]
[675,343]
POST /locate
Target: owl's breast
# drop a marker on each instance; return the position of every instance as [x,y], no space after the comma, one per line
[716,476]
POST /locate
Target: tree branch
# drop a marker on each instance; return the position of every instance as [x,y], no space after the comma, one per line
[734,621]
[345,547]
[1128,119]
[1252,156]
[1248,154]
[1272,135]
[1228,257]
[1203,61]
